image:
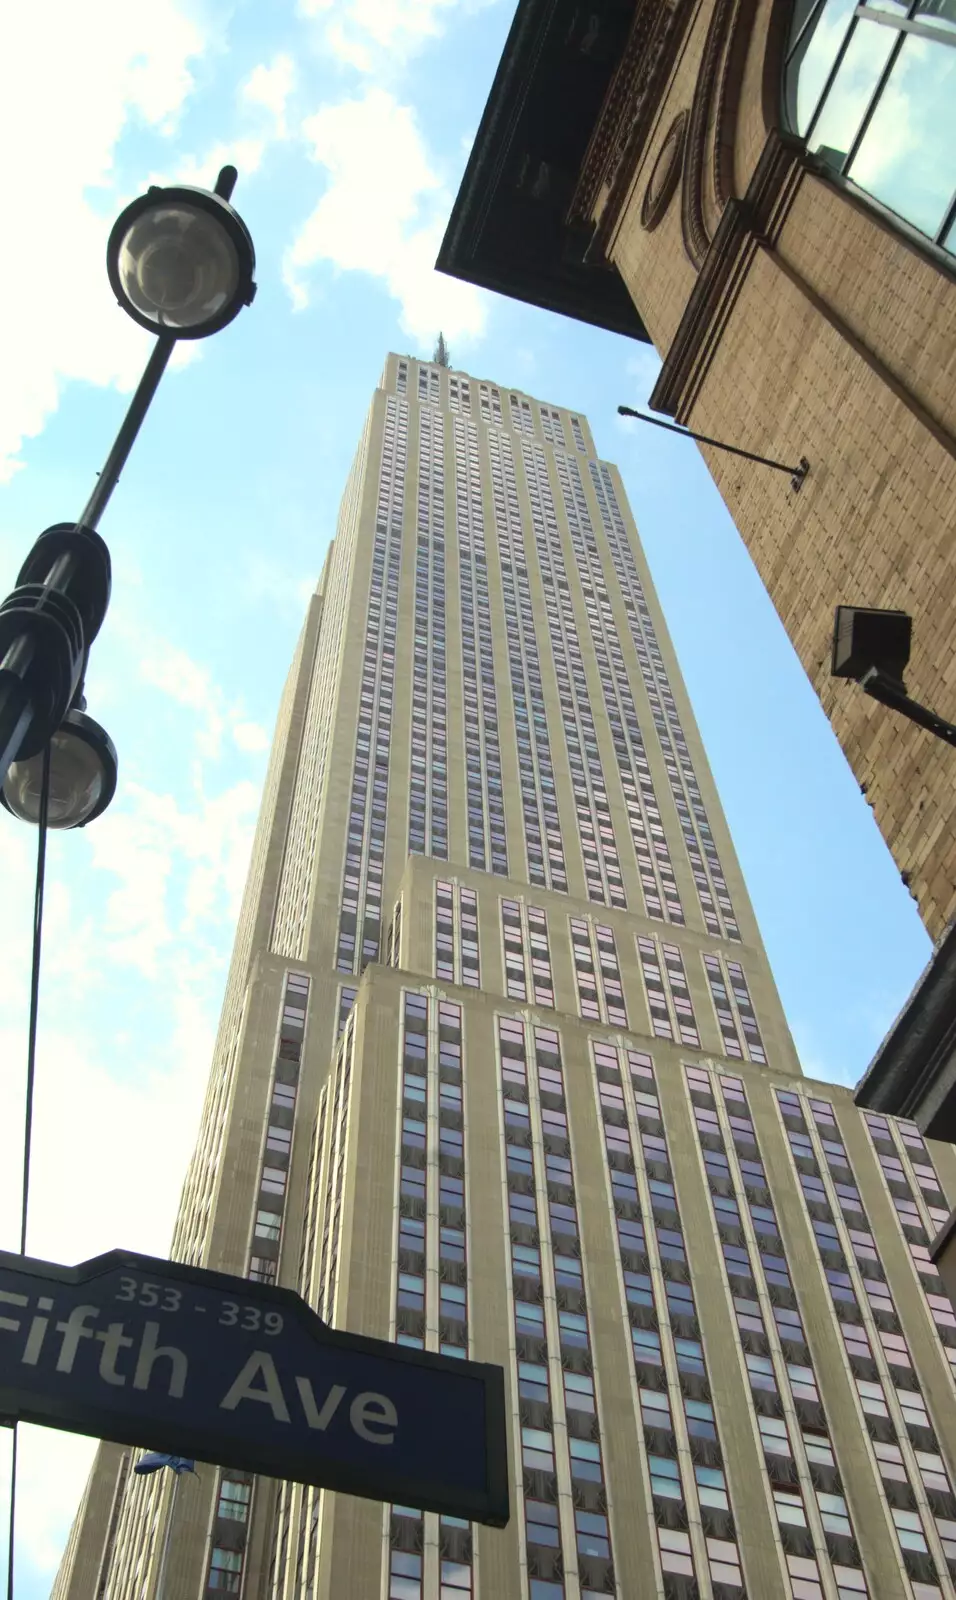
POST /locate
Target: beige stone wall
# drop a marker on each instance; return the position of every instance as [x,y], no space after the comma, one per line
[837,342]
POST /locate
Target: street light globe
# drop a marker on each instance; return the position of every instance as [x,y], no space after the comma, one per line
[181,262]
[83,770]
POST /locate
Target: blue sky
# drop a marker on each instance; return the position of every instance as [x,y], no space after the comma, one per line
[350,123]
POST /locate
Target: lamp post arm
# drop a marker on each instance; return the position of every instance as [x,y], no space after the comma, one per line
[797,473]
[890,692]
[125,439]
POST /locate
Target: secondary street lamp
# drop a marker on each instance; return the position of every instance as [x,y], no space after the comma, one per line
[181,263]
[873,647]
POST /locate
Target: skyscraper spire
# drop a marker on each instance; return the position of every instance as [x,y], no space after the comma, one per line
[442,356]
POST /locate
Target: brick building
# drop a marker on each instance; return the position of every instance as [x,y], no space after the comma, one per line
[766,189]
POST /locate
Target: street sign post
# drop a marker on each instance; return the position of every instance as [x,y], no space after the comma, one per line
[148,1352]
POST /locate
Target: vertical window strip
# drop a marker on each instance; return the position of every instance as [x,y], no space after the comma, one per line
[429,386]
[600,993]
[308,1262]
[411,1268]
[871,1331]
[336,1146]
[772,1342]
[578,435]
[542,829]
[612,991]
[459,394]
[347,995]
[602,868]
[555,1375]
[675,977]
[468,938]
[512,937]
[925,1187]
[428,789]
[401,378]
[652,972]
[396,934]
[908,1182]
[487,839]
[534,1374]
[521,418]
[561,1231]
[672,1394]
[280,1548]
[539,954]
[551,426]
[360,915]
[582,950]
[715,903]
[393,937]
[655,868]
[451,1313]
[527,953]
[431,1308]
[489,399]
[746,1013]
[445,967]
[726,1021]
[264,1245]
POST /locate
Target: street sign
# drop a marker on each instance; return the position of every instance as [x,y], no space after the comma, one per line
[240,1374]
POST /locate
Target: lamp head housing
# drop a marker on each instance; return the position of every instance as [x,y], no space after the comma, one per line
[181,262]
[865,638]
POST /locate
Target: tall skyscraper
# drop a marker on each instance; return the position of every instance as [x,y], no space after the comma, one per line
[502,1070]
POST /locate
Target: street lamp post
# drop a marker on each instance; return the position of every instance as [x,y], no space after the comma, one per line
[181,263]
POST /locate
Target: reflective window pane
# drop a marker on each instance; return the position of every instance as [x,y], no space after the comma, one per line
[810,65]
[851,91]
[907,158]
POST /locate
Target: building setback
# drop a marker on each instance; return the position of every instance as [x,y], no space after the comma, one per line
[502,1070]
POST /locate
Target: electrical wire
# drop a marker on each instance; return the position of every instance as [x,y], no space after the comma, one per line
[28,1112]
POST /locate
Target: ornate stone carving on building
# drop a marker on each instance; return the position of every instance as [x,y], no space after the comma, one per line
[665,176]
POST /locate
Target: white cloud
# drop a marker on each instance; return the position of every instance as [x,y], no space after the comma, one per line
[104,65]
[270,88]
[250,737]
[383,213]
[245,154]
[264,579]
[367,34]
[642,369]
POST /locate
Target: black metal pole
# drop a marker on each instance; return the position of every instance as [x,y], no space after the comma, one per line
[890,693]
[797,473]
[125,439]
[16,707]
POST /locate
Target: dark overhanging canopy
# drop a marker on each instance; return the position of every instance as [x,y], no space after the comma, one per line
[913,1074]
[508,229]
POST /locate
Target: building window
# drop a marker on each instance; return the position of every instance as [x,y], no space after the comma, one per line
[233,1502]
[674,1546]
[852,74]
[225,1570]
